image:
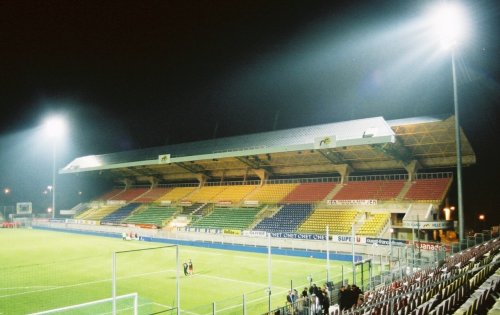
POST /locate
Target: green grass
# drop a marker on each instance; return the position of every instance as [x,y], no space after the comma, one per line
[42,270]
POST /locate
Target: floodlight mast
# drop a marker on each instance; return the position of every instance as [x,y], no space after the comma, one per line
[54,127]
[449,25]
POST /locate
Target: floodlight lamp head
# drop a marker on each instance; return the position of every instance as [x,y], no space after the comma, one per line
[55,127]
[449,24]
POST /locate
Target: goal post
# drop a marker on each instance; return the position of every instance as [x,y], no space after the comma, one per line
[136,269]
[94,304]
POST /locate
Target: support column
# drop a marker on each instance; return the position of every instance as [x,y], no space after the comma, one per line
[344,170]
[127,182]
[202,178]
[412,169]
[153,181]
[262,174]
[245,176]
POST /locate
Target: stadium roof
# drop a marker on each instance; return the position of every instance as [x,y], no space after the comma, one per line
[363,145]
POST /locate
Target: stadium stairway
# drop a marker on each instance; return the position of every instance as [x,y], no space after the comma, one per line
[404,190]
[266,212]
[334,192]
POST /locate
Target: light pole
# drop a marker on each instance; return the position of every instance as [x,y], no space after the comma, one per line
[6,191]
[449,24]
[459,151]
[391,230]
[54,127]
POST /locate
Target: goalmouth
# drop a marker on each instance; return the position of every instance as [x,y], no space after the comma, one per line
[132,266]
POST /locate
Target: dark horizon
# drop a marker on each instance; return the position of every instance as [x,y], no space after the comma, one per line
[152,73]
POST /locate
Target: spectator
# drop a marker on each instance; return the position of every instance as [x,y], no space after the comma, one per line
[291,298]
[305,297]
[356,290]
[342,298]
[304,293]
[312,289]
[351,299]
[326,302]
[361,300]
[190,267]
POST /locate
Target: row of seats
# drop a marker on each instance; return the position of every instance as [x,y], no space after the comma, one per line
[438,290]
[228,218]
[129,194]
[152,195]
[119,215]
[153,214]
[338,221]
[422,189]
[374,224]
[287,219]
[428,189]
[97,213]
[375,189]
[309,192]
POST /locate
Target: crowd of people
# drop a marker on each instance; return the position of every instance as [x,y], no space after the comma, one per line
[315,298]
[350,296]
[130,236]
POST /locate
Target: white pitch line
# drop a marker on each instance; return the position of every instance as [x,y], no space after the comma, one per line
[128,277]
[29,287]
[78,284]
[264,258]
[138,306]
[234,280]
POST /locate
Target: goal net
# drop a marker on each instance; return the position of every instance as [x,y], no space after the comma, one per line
[151,272]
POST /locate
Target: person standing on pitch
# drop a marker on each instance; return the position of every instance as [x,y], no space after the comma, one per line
[185,265]
[190,267]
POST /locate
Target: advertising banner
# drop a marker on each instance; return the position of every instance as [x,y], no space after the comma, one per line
[67,212]
[255,233]
[435,225]
[299,236]
[385,241]
[231,232]
[352,202]
[348,239]
[434,247]
[251,202]
[116,202]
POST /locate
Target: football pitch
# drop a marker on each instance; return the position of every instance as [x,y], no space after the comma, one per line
[43,270]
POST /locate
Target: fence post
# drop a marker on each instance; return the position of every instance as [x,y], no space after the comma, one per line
[342,274]
[113,284]
[244,305]
[269,300]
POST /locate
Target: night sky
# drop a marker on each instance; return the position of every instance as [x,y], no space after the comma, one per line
[137,74]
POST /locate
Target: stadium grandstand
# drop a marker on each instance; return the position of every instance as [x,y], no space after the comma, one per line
[369,174]
[375,179]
